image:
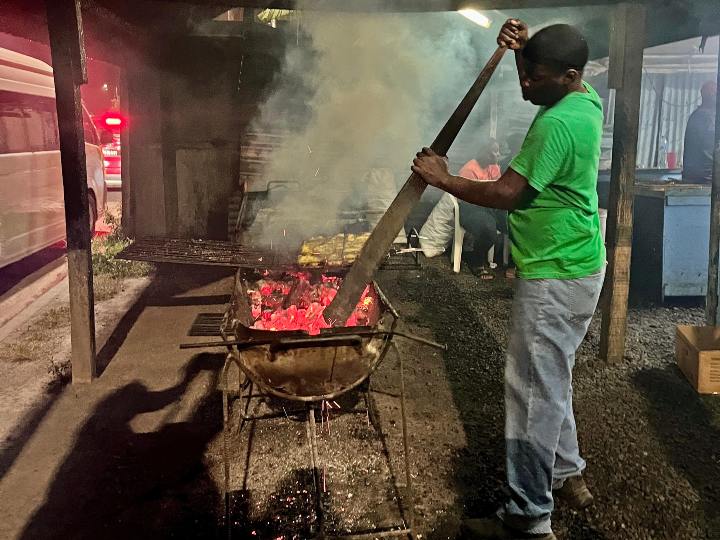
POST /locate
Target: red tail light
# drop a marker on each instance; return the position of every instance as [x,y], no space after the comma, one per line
[113,121]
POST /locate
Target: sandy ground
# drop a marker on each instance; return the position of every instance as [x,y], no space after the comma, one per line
[33,356]
[139,453]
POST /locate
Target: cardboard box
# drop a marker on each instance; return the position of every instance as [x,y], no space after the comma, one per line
[697,351]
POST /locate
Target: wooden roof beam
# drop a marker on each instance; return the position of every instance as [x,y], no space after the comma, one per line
[359,6]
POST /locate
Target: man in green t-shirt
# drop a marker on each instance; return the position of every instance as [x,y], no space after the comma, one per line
[550,191]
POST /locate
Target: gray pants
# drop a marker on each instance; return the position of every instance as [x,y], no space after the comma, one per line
[549,320]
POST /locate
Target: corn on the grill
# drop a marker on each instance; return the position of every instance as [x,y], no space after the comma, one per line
[338,250]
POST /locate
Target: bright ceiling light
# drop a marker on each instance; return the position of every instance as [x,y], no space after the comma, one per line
[476,17]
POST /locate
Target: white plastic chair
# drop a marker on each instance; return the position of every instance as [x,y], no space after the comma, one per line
[458,237]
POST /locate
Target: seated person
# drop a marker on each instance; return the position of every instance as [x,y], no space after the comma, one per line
[482,223]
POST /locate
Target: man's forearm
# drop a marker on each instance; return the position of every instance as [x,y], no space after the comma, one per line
[497,194]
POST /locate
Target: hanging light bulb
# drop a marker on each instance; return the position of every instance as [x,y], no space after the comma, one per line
[476,17]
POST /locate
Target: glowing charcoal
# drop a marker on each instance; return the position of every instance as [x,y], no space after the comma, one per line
[306,313]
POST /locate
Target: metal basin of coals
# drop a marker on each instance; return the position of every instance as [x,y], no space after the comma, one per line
[292,364]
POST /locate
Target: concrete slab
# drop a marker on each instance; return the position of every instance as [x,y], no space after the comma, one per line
[143,402]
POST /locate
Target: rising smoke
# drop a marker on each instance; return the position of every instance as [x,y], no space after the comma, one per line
[363,91]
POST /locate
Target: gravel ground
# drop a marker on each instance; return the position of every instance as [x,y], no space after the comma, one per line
[652,444]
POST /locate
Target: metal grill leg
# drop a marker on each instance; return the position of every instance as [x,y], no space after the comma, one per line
[226,443]
[407,513]
[406,450]
[315,459]
[229,361]
[311,431]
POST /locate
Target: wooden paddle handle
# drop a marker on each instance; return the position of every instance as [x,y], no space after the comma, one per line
[382,236]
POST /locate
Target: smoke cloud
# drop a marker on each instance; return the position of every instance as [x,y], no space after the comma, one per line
[362,91]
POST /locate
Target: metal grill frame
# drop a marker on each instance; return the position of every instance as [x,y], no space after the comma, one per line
[233,255]
[245,391]
[233,330]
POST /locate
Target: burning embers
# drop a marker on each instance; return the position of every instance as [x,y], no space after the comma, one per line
[297,303]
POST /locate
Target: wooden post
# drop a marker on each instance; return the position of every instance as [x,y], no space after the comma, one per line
[627,41]
[128,204]
[711,302]
[68,57]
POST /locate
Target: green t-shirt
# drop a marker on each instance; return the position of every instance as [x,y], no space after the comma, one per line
[555,231]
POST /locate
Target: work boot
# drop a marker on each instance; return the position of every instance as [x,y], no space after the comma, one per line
[574,493]
[494,529]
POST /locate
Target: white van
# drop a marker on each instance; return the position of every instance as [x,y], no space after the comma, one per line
[32,214]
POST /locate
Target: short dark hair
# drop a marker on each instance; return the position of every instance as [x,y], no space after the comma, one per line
[560,46]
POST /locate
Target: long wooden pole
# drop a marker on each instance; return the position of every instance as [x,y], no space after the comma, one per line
[711,303]
[68,57]
[626,48]
[382,236]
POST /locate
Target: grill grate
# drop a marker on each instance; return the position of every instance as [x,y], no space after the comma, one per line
[401,261]
[201,252]
[206,324]
[218,253]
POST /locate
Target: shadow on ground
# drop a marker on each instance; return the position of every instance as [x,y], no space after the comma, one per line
[686,424]
[168,282]
[116,483]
